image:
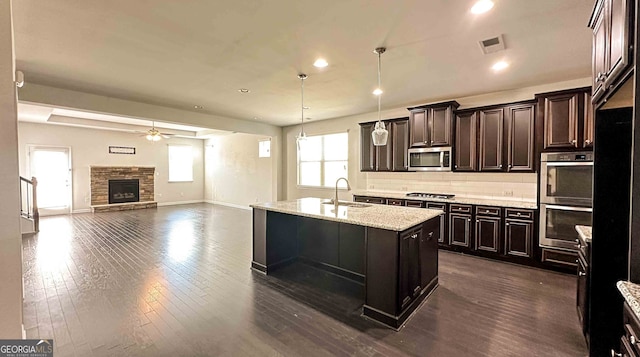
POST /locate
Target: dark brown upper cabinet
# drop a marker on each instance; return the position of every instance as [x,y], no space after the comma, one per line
[566,119]
[491,139]
[430,125]
[466,156]
[390,157]
[520,123]
[367,149]
[612,38]
[588,121]
[400,140]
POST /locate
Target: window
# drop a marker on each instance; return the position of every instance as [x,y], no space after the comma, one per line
[323,159]
[264,148]
[180,163]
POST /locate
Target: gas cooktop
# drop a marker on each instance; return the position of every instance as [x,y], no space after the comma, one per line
[430,195]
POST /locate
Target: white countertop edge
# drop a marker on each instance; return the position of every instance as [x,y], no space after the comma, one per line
[426,214]
[630,297]
[585,233]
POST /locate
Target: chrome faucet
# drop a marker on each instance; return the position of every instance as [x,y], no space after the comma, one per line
[335,200]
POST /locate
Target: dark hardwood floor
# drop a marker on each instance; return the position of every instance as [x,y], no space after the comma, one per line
[175,281]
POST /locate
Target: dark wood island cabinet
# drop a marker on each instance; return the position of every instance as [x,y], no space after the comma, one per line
[391,251]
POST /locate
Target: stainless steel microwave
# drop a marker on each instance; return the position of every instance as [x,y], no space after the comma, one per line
[430,159]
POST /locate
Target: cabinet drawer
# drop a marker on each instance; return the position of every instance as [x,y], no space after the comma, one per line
[437,205]
[488,211]
[560,257]
[631,328]
[367,199]
[456,208]
[395,202]
[413,203]
[519,213]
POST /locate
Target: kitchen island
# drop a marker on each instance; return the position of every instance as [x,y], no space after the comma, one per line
[392,251]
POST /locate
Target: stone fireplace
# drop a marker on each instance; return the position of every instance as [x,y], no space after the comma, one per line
[119,188]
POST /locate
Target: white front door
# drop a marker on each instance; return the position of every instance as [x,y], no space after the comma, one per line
[51,166]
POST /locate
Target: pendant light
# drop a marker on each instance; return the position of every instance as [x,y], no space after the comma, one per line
[379,134]
[301,138]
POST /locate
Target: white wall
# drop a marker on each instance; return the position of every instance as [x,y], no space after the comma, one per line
[90,147]
[234,174]
[523,185]
[10,237]
[65,98]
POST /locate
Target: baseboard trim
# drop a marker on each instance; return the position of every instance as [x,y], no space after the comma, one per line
[175,203]
[84,210]
[228,205]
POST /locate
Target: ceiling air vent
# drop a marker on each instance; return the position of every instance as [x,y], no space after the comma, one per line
[492,45]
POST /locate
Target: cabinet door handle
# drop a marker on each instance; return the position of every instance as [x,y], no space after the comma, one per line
[518,214]
[414,236]
[455,166]
[500,165]
[573,141]
[581,273]
[632,339]
[587,142]
[507,224]
[615,354]
[432,141]
[430,234]
[469,219]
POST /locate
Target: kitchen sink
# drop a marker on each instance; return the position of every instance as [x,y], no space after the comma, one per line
[347,204]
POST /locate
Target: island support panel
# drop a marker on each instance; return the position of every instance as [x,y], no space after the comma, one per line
[274,240]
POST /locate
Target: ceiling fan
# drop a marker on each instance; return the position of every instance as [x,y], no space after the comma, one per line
[154,134]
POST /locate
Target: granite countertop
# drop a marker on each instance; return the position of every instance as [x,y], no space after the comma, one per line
[584,232]
[462,200]
[631,293]
[373,215]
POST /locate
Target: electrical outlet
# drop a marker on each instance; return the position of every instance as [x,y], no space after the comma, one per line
[159,194]
[182,194]
[507,193]
[371,187]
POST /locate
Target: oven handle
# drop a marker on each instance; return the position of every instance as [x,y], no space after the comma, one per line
[441,158]
[569,208]
[584,163]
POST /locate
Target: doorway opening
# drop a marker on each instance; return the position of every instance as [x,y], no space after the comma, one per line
[52,167]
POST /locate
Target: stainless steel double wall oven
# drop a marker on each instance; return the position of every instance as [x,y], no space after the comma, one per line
[566,185]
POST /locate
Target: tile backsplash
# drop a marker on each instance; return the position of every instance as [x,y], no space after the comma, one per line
[503,186]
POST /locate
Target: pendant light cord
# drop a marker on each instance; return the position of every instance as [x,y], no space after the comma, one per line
[302,103]
[379,87]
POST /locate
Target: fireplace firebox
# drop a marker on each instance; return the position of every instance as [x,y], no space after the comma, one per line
[122,191]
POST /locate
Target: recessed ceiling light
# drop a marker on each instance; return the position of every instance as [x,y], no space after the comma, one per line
[482,6]
[377,91]
[256,118]
[243,90]
[321,63]
[307,118]
[305,108]
[499,66]
[197,106]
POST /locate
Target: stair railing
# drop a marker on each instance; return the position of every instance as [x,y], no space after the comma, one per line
[29,201]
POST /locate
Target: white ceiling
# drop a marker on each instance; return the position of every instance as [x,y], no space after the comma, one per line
[186,53]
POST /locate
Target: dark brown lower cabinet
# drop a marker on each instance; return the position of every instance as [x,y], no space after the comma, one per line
[518,236]
[630,336]
[487,233]
[429,256]
[582,296]
[409,277]
[459,229]
[443,219]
